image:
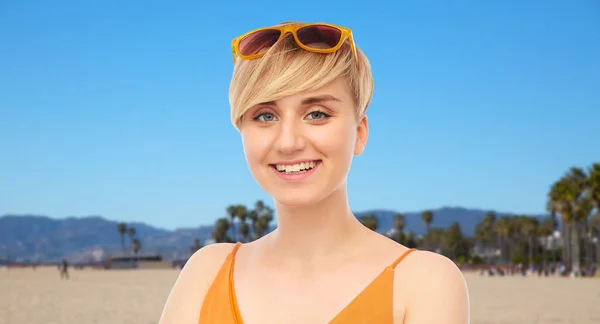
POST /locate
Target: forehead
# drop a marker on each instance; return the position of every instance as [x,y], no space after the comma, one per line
[336,92]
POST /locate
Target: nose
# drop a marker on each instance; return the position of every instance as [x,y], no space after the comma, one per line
[290,138]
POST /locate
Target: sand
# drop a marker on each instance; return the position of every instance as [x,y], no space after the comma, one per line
[137,296]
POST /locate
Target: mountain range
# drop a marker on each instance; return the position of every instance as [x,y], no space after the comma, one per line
[41,238]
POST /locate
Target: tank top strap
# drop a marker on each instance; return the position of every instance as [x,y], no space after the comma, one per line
[235,248]
[232,258]
[407,252]
[232,299]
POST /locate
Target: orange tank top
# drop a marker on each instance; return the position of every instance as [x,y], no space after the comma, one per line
[372,305]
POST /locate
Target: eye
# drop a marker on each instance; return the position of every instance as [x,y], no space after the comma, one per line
[265,117]
[317,115]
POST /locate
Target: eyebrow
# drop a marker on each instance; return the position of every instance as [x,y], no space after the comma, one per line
[319,99]
[309,100]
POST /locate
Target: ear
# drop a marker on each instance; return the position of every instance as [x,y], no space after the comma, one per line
[362,134]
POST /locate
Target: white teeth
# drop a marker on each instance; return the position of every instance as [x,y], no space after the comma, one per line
[289,168]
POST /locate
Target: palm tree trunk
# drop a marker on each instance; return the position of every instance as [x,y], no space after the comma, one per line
[485,246]
[598,251]
[503,248]
[582,240]
[530,250]
[130,244]
[575,248]
[427,247]
[508,244]
[545,253]
[123,244]
[588,245]
[592,248]
[553,250]
[566,245]
[499,244]
[566,242]
[232,229]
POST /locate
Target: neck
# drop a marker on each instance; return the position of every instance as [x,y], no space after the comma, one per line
[311,233]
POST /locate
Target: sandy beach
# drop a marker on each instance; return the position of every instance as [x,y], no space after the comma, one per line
[137,296]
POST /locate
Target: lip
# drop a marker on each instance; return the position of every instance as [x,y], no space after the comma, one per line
[299,176]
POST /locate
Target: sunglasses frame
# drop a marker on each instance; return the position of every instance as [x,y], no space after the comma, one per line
[346,34]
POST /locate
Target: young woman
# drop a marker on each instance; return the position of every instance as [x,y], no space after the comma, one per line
[298,97]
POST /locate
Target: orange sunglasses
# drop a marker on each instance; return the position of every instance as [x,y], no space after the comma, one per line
[330,38]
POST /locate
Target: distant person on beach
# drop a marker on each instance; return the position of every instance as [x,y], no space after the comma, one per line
[298,96]
[64,269]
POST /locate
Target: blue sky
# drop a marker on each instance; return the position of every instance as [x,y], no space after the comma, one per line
[120,109]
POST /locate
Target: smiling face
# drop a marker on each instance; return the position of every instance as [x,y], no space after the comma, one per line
[300,148]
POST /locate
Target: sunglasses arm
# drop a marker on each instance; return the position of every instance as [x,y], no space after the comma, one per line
[233,53]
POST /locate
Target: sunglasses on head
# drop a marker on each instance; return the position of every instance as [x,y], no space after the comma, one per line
[316,38]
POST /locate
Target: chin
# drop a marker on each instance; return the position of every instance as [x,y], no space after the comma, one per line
[297,198]
[303,193]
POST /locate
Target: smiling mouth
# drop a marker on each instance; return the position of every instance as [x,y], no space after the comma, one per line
[297,168]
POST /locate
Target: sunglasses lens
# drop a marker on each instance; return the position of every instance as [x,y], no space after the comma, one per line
[319,36]
[258,41]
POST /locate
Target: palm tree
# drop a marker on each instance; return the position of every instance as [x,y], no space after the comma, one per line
[554,221]
[503,228]
[528,228]
[558,204]
[567,197]
[593,192]
[242,215]
[484,232]
[399,224]
[195,246]
[452,239]
[122,229]
[253,217]
[260,228]
[595,232]
[259,206]
[131,233]
[231,213]
[583,210]
[219,233]
[427,217]
[260,220]
[434,238]
[244,232]
[593,185]
[546,230]
[411,241]
[263,222]
[370,221]
[581,207]
[136,246]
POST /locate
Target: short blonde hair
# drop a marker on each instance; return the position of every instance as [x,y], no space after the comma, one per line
[287,69]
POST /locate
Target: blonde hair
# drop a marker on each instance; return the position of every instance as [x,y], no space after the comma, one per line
[287,69]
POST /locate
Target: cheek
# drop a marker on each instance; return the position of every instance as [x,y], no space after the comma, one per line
[336,141]
[255,149]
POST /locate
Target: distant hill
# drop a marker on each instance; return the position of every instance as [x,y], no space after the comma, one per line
[31,237]
[443,217]
[44,238]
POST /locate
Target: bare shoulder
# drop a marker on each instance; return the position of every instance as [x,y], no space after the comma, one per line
[436,288]
[194,280]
